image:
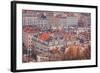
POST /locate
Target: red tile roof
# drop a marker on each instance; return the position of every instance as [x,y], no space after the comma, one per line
[44,36]
[30,29]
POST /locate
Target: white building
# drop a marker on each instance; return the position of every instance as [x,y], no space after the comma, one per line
[43,57]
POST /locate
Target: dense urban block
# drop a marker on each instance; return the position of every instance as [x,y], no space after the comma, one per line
[55,36]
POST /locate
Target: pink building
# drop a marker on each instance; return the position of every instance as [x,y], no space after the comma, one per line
[28,32]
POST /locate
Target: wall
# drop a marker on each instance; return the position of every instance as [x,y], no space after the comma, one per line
[5,36]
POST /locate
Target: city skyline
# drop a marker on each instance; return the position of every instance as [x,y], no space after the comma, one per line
[55,36]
